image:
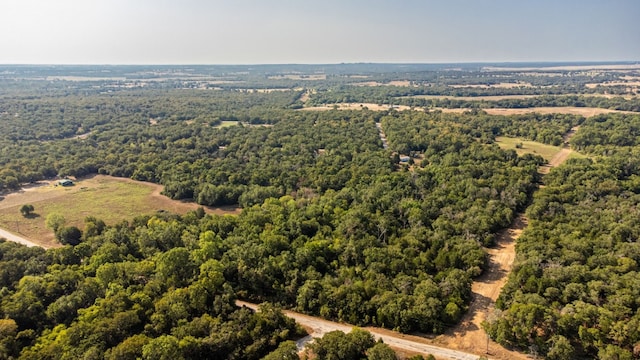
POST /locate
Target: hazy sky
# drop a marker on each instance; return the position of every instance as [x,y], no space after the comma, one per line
[319,31]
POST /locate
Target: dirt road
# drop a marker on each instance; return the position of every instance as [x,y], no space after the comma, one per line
[468,335]
[408,343]
[15,238]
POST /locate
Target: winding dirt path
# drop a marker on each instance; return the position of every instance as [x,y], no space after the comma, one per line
[468,335]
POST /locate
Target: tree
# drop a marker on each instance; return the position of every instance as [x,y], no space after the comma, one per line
[286,351]
[381,351]
[69,235]
[54,221]
[26,210]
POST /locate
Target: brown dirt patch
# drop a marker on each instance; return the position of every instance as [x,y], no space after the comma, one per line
[305,97]
[468,335]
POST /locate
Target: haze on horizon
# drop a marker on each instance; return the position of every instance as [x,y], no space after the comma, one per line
[331,31]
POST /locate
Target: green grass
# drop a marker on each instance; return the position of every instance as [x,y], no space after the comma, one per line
[528,147]
[226,123]
[109,200]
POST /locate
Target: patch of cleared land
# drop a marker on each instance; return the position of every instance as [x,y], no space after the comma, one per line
[566,68]
[356,106]
[299,77]
[584,111]
[401,83]
[468,335]
[107,198]
[493,86]
[528,147]
[510,97]
[614,83]
[476,98]
[226,123]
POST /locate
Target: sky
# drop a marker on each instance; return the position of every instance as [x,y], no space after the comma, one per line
[316,32]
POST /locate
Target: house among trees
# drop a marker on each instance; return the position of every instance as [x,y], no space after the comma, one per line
[65,182]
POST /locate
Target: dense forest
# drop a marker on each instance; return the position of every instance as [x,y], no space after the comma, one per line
[332,225]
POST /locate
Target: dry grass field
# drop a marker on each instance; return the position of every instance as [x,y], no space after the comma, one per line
[476,98]
[107,198]
[584,111]
[299,77]
[356,106]
[493,86]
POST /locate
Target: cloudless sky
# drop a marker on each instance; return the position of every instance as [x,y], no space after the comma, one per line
[316,31]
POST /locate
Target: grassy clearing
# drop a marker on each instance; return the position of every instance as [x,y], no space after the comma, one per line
[109,199]
[528,147]
[226,123]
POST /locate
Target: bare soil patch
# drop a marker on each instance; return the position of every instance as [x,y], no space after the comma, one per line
[468,335]
[305,97]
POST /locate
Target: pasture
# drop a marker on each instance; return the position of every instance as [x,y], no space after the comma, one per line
[107,198]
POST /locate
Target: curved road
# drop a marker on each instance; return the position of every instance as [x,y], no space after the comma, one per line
[414,344]
[19,239]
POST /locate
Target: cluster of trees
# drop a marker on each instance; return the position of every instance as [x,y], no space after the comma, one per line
[331,226]
[603,133]
[357,344]
[101,301]
[354,239]
[421,132]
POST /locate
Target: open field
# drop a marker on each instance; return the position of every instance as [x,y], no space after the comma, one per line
[299,77]
[493,86]
[107,198]
[476,98]
[566,68]
[528,147]
[511,97]
[356,106]
[226,123]
[584,111]
[402,83]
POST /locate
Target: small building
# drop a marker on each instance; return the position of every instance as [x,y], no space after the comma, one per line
[404,159]
[65,182]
